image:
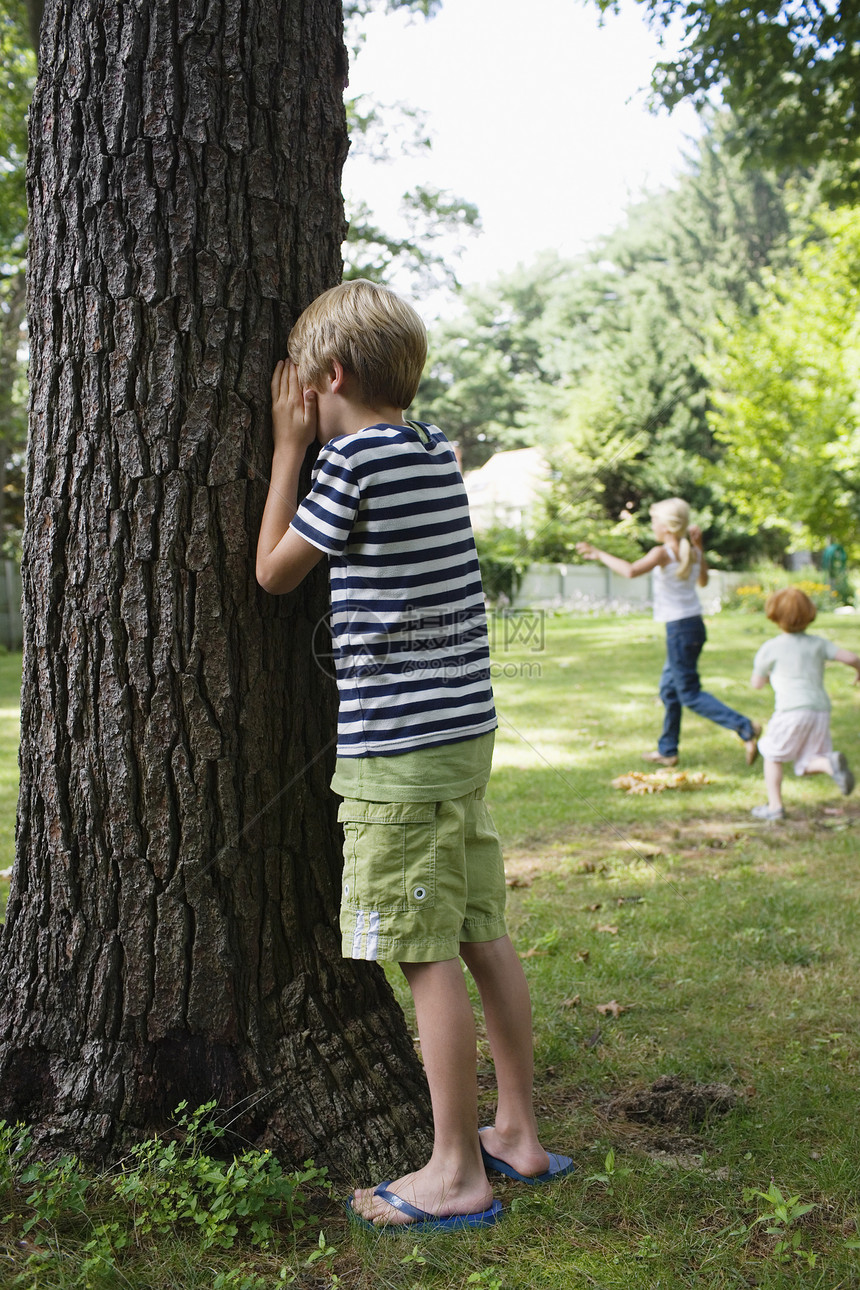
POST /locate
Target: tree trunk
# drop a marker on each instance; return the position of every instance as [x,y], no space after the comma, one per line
[171,930]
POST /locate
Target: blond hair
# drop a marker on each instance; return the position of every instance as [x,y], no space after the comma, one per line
[790,608]
[673,515]
[376,336]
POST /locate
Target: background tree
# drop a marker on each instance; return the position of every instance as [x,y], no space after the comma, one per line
[170,932]
[635,428]
[17,62]
[789,72]
[487,365]
[787,394]
[602,361]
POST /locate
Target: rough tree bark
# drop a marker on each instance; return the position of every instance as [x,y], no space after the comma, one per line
[171,927]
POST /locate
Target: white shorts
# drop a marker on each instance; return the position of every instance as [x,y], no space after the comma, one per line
[797,735]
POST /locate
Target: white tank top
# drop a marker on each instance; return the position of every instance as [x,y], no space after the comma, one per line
[675,597]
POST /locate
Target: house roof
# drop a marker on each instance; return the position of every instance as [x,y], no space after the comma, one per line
[506,488]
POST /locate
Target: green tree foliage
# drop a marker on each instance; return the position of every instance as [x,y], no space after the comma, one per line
[636,428]
[489,367]
[603,360]
[17,75]
[787,69]
[787,393]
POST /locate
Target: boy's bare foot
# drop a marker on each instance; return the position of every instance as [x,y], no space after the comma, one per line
[526,1156]
[427,1190]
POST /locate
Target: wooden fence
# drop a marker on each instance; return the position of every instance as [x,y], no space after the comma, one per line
[560,586]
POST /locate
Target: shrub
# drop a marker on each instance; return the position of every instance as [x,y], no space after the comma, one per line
[749,596]
[504,557]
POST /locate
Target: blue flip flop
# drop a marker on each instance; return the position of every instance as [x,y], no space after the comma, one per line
[558,1167]
[422,1221]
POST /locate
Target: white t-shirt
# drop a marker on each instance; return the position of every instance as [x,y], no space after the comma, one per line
[794,662]
[676,597]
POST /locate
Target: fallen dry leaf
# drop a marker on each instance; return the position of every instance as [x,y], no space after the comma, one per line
[613,1008]
[657,781]
[592,909]
[607,927]
[533,954]
[583,955]
[645,848]
[515,882]
[572,1003]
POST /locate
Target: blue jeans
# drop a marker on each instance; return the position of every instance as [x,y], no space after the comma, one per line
[680,687]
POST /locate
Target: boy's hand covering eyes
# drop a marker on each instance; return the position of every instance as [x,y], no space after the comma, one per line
[294,410]
[284,558]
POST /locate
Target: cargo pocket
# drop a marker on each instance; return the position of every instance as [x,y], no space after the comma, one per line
[389,852]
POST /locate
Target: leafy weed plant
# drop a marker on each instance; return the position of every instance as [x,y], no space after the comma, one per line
[612,1174]
[171,1183]
[170,1188]
[781,1215]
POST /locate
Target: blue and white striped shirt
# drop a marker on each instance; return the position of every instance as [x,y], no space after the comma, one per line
[409,630]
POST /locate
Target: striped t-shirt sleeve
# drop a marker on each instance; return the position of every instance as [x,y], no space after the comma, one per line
[325,517]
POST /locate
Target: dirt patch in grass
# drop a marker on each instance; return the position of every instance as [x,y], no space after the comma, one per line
[671,1100]
[584,850]
[679,1151]
[657,1121]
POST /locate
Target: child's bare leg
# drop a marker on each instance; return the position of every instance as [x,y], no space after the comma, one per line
[818,766]
[454,1180]
[773,783]
[505,998]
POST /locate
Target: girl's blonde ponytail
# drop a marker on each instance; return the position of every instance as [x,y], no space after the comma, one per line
[685,558]
[673,515]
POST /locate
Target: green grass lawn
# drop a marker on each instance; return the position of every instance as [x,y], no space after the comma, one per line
[729,953]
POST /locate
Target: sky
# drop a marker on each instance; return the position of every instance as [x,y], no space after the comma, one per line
[537,115]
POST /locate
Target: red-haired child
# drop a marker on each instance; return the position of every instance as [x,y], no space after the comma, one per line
[799,730]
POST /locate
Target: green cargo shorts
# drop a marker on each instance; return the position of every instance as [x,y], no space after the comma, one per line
[419,878]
